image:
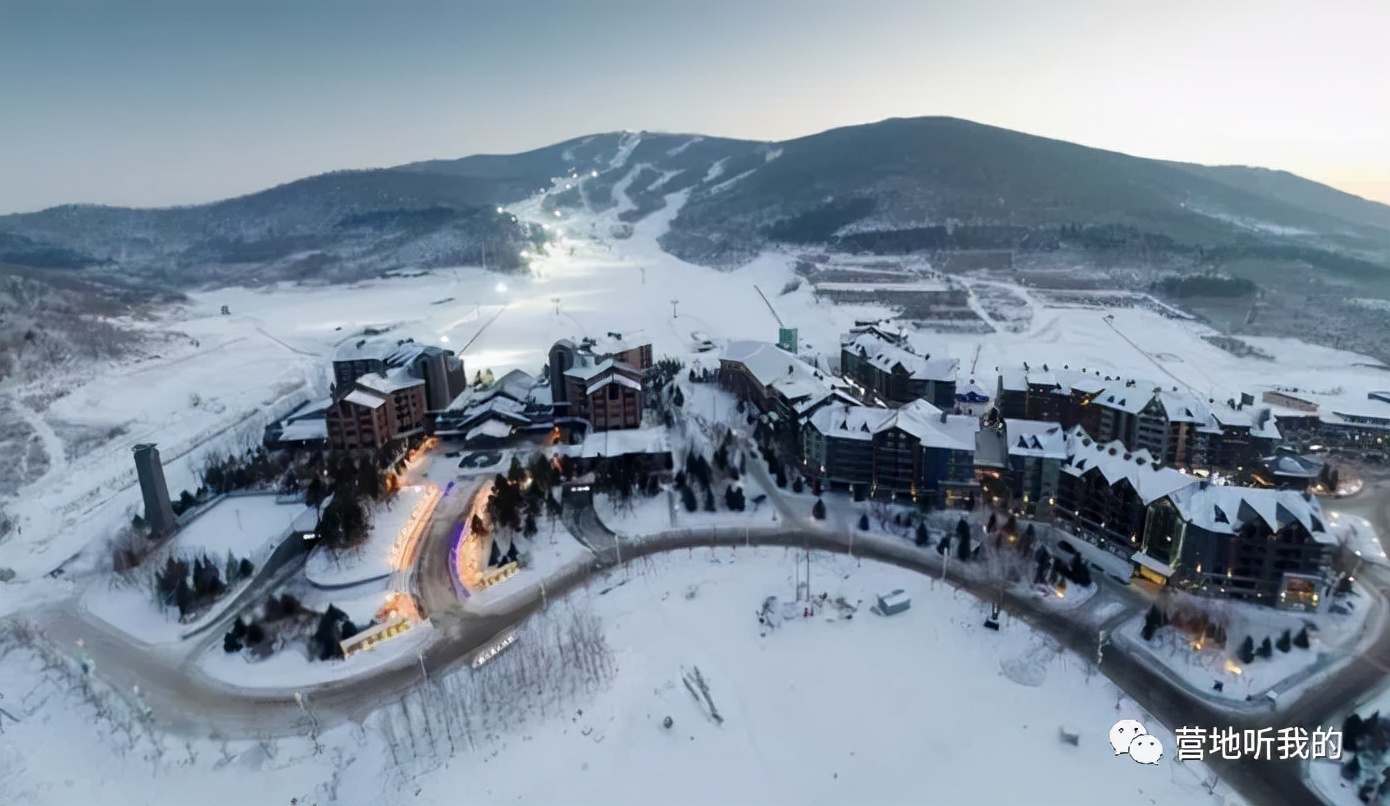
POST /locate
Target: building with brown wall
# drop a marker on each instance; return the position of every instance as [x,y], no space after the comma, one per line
[376,410]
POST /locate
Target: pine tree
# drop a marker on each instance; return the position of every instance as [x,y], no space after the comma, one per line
[818,510]
[920,536]
[1152,622]
[688,499]
[797,485]
[864,523]
[1301,640]
[1246,653]
[516,474]
[709,500]
[962,540]
[1265,649]
[1285,642]
[1352,729]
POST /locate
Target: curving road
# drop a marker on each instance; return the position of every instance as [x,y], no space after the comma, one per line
[184,700]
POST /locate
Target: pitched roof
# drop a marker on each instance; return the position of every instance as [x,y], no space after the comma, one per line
[394,380]
[1115,462]
[779,370]
[1224,509]
[933,429]
[1037,438]
[365,398]
[844,421]
[365,348]
[885,355]
[612,378]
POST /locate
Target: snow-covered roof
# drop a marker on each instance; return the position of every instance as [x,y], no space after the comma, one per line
[311,410]
[774,367]
[365,398]
[612,344]
[1013,380]
[490,428]
[1223,509]
[933,428]
[611,378]
[973,387]
[305,430]
[516,384]
[843,421]
[365,348]
[885,355]
[497,407]
[1037,438]
[1115,462]
[585,371]
[394,380]
[1293,465]
[1130,399]
[622,442]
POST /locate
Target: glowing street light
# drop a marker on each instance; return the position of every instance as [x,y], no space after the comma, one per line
[501,287]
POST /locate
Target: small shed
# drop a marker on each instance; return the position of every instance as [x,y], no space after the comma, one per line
[893,603]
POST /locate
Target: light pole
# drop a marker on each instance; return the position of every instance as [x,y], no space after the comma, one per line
[674,303]
[556,300]
[423,671]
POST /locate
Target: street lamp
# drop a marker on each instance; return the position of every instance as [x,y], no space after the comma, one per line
[674,303]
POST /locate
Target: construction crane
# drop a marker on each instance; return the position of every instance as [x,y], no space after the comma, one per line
[787,337]
[769,306]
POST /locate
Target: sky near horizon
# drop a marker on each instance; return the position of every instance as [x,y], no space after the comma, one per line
[159,102]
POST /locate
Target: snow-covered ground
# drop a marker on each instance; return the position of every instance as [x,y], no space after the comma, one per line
[1202,664]
[249,526]
[291,668]
[1359,536]
[816,711]
[918,706]
[384,551]
[1326,774]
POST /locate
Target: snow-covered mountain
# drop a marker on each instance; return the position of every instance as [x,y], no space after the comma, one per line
[895,186]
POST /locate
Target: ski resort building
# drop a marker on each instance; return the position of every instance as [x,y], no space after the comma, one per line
[376,410]
[1019,462]
[1256,544]
[440,370]
[785,390]
[838,443]
[598,384]
[886,366]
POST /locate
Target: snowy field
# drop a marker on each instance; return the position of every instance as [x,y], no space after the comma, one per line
[815,711]
[905,709]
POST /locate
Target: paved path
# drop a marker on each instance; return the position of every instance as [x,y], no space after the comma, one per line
[185,701]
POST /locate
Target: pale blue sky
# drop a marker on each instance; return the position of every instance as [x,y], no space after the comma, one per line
[153,103]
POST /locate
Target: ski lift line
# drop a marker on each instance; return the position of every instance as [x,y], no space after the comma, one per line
[465,347]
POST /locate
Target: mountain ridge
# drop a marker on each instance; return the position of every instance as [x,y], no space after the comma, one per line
[895,185]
